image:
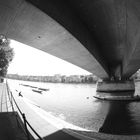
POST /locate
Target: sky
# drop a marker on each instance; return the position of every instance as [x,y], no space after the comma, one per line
[31,61]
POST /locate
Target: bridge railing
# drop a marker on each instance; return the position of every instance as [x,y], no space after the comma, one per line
[26,123]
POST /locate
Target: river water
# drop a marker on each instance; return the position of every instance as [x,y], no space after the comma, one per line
[75,104]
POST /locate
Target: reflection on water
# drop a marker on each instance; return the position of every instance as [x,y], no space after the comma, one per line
[119,120]
[74,103]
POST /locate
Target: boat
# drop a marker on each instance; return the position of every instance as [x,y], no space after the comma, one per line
[24,85]
[38,91]
[118,98]
[44,89]
[32,87]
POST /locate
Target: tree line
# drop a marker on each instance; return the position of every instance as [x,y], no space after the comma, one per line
[56,78]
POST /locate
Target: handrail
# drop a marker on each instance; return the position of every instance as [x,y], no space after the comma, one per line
[22,114]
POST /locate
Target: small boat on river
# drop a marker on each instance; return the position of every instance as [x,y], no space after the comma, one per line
[44,89]
[36,90]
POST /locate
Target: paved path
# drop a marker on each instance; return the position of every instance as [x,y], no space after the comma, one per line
[3,98]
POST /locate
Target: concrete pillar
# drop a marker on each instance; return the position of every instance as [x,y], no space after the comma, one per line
[115,86]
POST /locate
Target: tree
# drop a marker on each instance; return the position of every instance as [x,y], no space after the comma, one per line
[6,55]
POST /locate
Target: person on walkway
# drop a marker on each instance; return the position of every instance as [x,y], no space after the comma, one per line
[19,94]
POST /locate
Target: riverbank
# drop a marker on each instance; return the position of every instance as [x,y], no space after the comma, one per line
[50,127]
[56,78]
[69,102]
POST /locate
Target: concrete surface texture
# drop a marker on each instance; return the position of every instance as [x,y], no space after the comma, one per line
[117,86]
[27,24]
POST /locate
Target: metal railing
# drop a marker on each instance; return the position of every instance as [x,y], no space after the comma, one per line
[26,123]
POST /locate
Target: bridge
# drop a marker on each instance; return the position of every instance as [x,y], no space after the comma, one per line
[100,36]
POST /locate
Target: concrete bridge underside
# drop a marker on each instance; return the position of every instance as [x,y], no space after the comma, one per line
[101,36]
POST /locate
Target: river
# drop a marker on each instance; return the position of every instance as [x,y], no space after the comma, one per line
[75,104]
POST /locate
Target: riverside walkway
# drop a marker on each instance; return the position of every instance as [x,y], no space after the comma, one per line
[12,127]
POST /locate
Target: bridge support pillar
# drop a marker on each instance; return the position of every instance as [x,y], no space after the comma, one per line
[116,86]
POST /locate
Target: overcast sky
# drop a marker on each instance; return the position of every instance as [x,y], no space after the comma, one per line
[31,61]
